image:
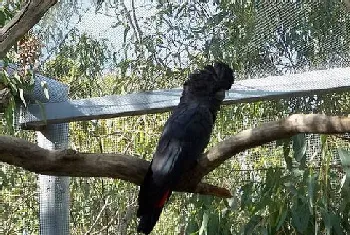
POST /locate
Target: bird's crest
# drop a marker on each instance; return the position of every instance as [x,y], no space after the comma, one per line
[209,80]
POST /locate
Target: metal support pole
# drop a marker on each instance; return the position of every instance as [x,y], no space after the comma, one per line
[53,190]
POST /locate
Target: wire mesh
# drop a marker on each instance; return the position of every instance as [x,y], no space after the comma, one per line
[54,190]
[258,39]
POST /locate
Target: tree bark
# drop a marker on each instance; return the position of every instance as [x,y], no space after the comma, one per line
[267,132]
[18,152]
[22,22]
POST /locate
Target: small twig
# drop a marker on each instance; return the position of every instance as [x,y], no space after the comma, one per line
[98,216]
[113,218]
[139,32]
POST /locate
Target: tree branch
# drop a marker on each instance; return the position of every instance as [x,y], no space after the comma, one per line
[18,152]
[22,22]
[267,132]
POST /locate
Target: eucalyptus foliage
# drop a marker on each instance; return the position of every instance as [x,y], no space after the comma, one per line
[293,186]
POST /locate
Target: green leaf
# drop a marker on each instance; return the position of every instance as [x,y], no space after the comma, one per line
[323,139]
[311,189]
[282,217]
[45,89]
[192,227]
[4,181]
[286,150]
[336,221]
[253,222]
[204,227]
[126,30]
[344,156]
[300,217]
[9,115]
[205,200]
[17,77]
[213,224]
[280,142]
[42,110]
[2,18]
[21,95]
[299,149]
[299,146]
[327,220]
[246,199]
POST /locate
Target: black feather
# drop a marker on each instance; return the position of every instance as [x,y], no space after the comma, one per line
[185,136]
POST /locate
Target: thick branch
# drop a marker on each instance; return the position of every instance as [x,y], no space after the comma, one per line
[22,153]
[22,22]
[275,130]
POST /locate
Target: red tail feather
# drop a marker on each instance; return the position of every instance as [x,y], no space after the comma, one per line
[163,200]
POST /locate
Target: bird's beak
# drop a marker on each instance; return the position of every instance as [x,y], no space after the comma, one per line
[220,94]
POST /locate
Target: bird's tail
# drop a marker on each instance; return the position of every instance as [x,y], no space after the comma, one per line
[147,221]
[148,218]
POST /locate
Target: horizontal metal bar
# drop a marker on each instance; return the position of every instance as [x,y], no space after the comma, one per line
[251,90]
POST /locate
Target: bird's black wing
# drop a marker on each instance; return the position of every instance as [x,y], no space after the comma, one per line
[184,138]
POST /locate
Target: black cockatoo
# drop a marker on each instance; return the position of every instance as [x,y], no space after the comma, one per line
[185,136]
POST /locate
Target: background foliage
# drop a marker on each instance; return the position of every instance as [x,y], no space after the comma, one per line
[294,186]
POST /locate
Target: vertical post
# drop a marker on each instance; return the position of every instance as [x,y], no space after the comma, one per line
[53,190]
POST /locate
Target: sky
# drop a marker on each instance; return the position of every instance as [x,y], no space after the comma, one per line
[91,22]
[99,25]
